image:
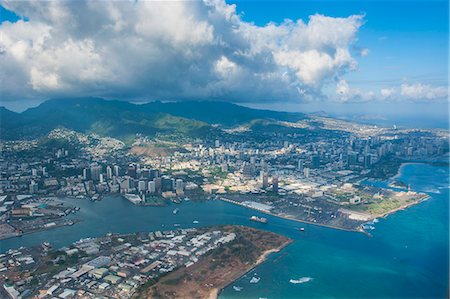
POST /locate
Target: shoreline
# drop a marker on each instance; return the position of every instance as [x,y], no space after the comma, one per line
[287,217]
[399,171]
[214,294]
[58,225]
[404,207]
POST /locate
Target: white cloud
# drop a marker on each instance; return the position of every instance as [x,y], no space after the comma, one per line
[169,50]
[419,91]
[387,93]
[405,92]
[347,94]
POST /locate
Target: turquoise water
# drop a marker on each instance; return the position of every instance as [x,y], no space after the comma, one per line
[407,257]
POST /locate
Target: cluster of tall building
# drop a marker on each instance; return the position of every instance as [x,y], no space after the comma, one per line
[132,180]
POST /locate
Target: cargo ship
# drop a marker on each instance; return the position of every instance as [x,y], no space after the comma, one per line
[258,219]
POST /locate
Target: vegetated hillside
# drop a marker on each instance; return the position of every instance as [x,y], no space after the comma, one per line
[122,119]
[223,113]
[108,118]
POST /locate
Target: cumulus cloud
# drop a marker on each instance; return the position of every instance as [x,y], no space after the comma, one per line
[387,93]
[405,92]
[347,94]
[420,91]
[169,50]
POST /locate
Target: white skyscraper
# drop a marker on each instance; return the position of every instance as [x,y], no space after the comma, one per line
[108,172]
[151,187]
[142,186]
[306,172]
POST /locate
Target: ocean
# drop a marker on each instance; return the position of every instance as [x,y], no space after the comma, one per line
[407,257]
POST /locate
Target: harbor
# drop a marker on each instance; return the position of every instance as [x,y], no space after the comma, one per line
[314,249]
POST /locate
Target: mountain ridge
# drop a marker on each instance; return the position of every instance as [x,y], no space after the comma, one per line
[122,119]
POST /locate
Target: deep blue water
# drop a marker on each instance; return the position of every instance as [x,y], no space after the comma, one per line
[407,257]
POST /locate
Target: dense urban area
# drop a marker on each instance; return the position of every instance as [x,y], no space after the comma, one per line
[316,170]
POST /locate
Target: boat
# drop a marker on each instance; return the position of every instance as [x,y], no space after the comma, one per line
[175,211]
[300,280]
[195,221]
[302,229]
[255,279]
[237,289]
[258,219]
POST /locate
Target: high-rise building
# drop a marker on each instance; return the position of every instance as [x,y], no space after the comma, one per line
[247,169]
[264,179]
[179,185]
[33,187]
[86,174]
[306,172]
[300,165]
[151,187]
[132,170]
[108,172]
[154,173]
[315,161]
[158,184]
[95,172]
[125,185]
[275,184]
[367,161]
[116,170]
[142,186]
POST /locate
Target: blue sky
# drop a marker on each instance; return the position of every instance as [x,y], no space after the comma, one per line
[406,39]
[394,54]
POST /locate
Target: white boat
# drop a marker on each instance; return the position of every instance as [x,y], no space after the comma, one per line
[255,279]
[258,219]
[175,211]
[300,280]
[195,221]
[237,289]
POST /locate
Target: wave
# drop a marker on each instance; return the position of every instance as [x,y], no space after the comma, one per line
[300,280]
[368,227]
[431,190]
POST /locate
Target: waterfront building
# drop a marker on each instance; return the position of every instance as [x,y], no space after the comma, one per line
[151,187]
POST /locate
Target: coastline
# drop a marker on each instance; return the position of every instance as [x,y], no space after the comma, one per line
[403,207]
[214,294]
[399,171]
[288,217]
[58,225]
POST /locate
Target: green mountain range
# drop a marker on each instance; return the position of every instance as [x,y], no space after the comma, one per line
[121,119]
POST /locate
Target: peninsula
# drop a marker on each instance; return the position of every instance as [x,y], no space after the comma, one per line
[181,263]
